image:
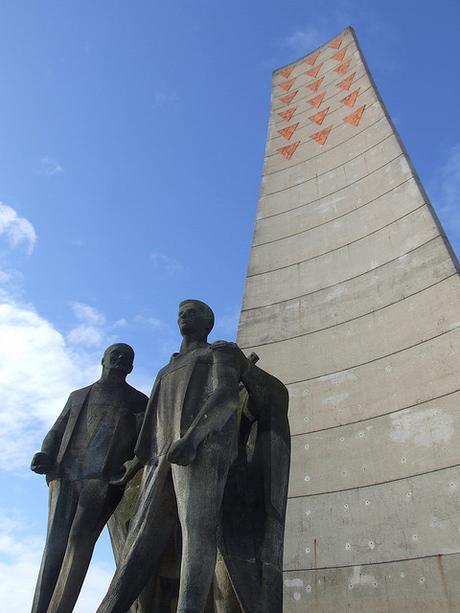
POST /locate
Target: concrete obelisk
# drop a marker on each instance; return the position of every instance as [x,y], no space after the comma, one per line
[352,299]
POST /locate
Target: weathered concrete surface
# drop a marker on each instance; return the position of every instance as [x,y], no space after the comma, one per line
[353,299]
[427,585]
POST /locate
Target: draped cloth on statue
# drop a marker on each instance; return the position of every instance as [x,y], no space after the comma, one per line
[256,444]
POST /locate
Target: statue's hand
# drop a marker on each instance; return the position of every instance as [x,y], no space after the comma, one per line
[41,463]
[182,451]
[128,470]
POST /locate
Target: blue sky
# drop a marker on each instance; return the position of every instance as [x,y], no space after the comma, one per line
[132,138]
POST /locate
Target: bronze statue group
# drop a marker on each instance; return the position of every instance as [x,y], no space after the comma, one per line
[206,459]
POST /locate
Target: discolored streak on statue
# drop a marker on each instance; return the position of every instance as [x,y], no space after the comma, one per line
[208,528]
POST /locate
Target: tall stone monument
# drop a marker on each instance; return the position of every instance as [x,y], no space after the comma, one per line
[352,299]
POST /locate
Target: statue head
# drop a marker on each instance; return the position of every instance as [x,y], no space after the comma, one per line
[118,358]
[195,317]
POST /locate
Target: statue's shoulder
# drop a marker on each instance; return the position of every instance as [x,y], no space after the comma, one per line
[138,397]
[81,392]
[224,346]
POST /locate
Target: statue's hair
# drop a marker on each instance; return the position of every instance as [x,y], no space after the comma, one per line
[204,308]
[125,345]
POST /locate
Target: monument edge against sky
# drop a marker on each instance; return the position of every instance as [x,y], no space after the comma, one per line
[352,299]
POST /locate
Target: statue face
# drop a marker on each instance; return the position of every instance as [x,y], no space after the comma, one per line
[119,357]
[192,319]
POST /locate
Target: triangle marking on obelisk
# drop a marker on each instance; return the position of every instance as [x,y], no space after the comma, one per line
[339,55]
[335,44]
[313,72]
[319,117]
[355,117]
[287,115]
[351,98]
[288,150]
[342,69]
[315,85]
[311,59]
[287,84]
[322,136]
[316,101]
[287,99]
[286,72]
[346,83]
[289,131]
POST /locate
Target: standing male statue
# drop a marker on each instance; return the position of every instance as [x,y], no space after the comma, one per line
[208,469]
[84,450]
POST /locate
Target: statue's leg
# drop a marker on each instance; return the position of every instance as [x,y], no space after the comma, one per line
[199,490]
[148,536]
[96,503]
[61,509]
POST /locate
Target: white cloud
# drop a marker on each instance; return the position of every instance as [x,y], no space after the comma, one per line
[161,99]
[228,324]
[446,194]
[38,370]
[87,336]
[88,314]
[91,331]
[49,166]
[306,40]
[20,554]
[165,264]
[17,230]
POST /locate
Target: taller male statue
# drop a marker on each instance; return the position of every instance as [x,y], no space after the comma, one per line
[218,471]
[86,448]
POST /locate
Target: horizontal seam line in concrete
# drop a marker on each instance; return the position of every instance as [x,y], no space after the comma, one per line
[321,174]
[315,257]
[321,289]
[344,142]
[327,59]
[378,483]
[329,194]
[317,92]
[316,568]
[346,321]
[358,208]
[360,421]
[382,357]
[278,137]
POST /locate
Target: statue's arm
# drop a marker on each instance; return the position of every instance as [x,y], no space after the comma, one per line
[44,460]
[219,407]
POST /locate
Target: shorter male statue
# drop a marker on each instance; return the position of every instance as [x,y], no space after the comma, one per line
[84,450]
[194,443]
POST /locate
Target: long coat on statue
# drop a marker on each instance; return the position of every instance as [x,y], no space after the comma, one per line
[256,440]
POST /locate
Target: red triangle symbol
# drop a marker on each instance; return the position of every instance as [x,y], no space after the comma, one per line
[335,44]
[339,55]
[287,99]
[319,117]
[287,85]
[313,72]
[351,98]
[286,72]
[316,101]
[289,131]
[311,59]
[287,115]
[288,150]
[343,67]
[315,85]
[355,117]
[322,136]
[345,84]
